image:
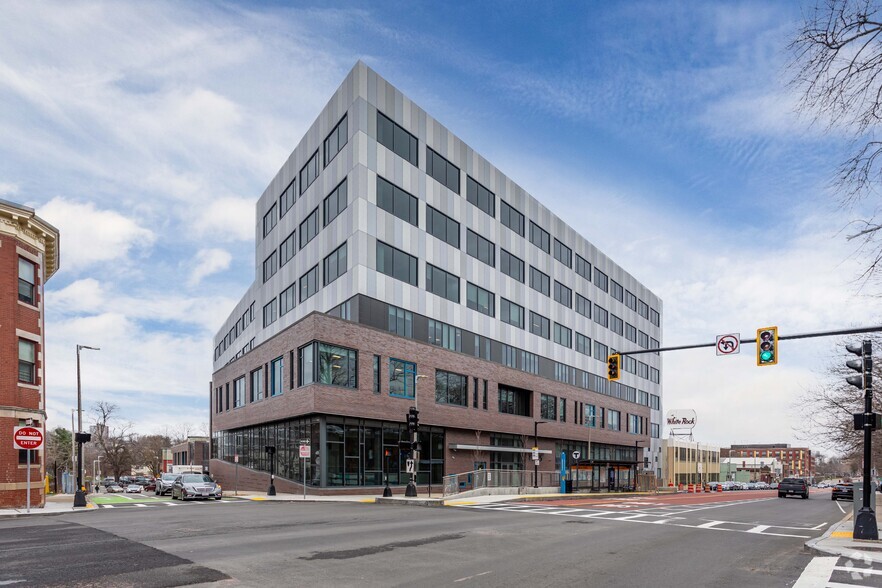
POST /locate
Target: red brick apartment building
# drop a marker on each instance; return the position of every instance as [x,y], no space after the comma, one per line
[796,461]
[28,257]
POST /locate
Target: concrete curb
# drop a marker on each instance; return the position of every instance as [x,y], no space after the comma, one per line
[814,545]
[39,512]
[433,502]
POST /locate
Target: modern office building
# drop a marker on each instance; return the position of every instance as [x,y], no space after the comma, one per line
[28,258]
[396,267]
[796,461]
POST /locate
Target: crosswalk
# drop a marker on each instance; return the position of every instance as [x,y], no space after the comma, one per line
[839,572]
[657,514]
[164,503]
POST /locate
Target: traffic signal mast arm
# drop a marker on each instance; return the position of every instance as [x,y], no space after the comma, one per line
[877,329]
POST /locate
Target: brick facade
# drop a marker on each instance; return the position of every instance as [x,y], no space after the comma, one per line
[25,236]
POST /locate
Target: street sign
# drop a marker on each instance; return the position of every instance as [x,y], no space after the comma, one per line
[27,438]
[700,468]
[577,455]
[729,344]
[535,454]
[304,450]
[236,458]
[410,467]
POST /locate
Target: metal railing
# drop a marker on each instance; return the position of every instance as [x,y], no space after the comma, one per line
[478,479]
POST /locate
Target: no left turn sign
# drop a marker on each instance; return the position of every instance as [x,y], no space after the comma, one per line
[729,344]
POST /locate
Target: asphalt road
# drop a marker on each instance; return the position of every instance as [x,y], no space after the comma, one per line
[654,542]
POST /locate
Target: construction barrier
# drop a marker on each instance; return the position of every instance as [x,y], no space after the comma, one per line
[691,489]
[719,487]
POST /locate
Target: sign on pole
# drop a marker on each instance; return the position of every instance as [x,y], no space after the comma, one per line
[729,344]
[27,438]
[410,467]
[305,448]
[535,454]
[577,455]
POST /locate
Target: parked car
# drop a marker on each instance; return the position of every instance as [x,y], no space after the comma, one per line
[843,490]
[150,485]
[713,486]
[773,486]
[728,486]
[195,486]
[793,487]
[133,489]
[115,488]
[164,484]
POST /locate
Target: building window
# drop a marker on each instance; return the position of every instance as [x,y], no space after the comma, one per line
[444,335]
[643,370]
[335,264]
[286,199]
[562,406]
[257,385]
[563,254]
[479,299]
[287,300]
[480,197]
[654,430]
[309,283]
[239,392]
[309,228]
[563,335]
[335,202]
[642,339]
[442,283]
[442,170]
[269,313]
[630,332]
[27,361]
[269,220]
[442,226]
[512,313]
[480,248]
[601,316]
[288,248]
[376,374]
[514,401]
[540,237]
[583,305]
[511,265]
[336,140]
[397,202]
[654,317]
[590,416]
[509,356]
[548,407]
[402,378]
[540,281]
[563,295]
[643,309]
[634,424]
[613,420]
[616,291]
[484,396]
[309,172]
[451,388]
[616,325]
[27,280]
[529,362]
[336,366]
[630,300]
[511,218]
[539,325]
[24,454]
[601,351]
[401,322]
[396,263]
[396,139]
[270,266]
[601,280]
[275,384]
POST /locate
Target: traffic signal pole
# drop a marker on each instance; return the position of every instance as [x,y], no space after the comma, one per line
[865,526]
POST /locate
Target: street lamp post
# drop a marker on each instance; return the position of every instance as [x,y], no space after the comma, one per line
[536,445]
[636,461]
[80,496]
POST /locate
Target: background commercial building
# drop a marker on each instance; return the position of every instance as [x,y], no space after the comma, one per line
[396,267]
[690,462]
[795,461]
[751,469]
[194,451]
[28,258]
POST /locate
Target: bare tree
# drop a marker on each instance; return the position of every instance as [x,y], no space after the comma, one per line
[113,438]
[837,69]
[148,452]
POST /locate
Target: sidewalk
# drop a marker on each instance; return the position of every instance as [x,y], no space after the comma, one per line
[839,540]
[55,504]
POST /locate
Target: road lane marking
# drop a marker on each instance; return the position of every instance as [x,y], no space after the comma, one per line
[709,525]
[817,573]
[841,534]
[631,517]
[840,507]
[475,576]
[759,529]
[854,570]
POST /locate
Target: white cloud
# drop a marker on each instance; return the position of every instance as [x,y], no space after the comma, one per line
[208,262]
[90,235]
[8,189]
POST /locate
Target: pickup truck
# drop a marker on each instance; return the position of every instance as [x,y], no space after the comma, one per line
[793,487]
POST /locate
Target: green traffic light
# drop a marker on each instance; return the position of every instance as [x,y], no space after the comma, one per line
[766,356]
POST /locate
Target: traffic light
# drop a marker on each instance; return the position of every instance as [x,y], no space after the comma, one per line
[767,346]
[864,365]
[613,362]
[413,420]
[405,445]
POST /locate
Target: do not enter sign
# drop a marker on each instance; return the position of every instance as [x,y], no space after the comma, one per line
[27,438]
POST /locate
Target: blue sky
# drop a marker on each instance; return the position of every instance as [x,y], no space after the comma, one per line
[664,132]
